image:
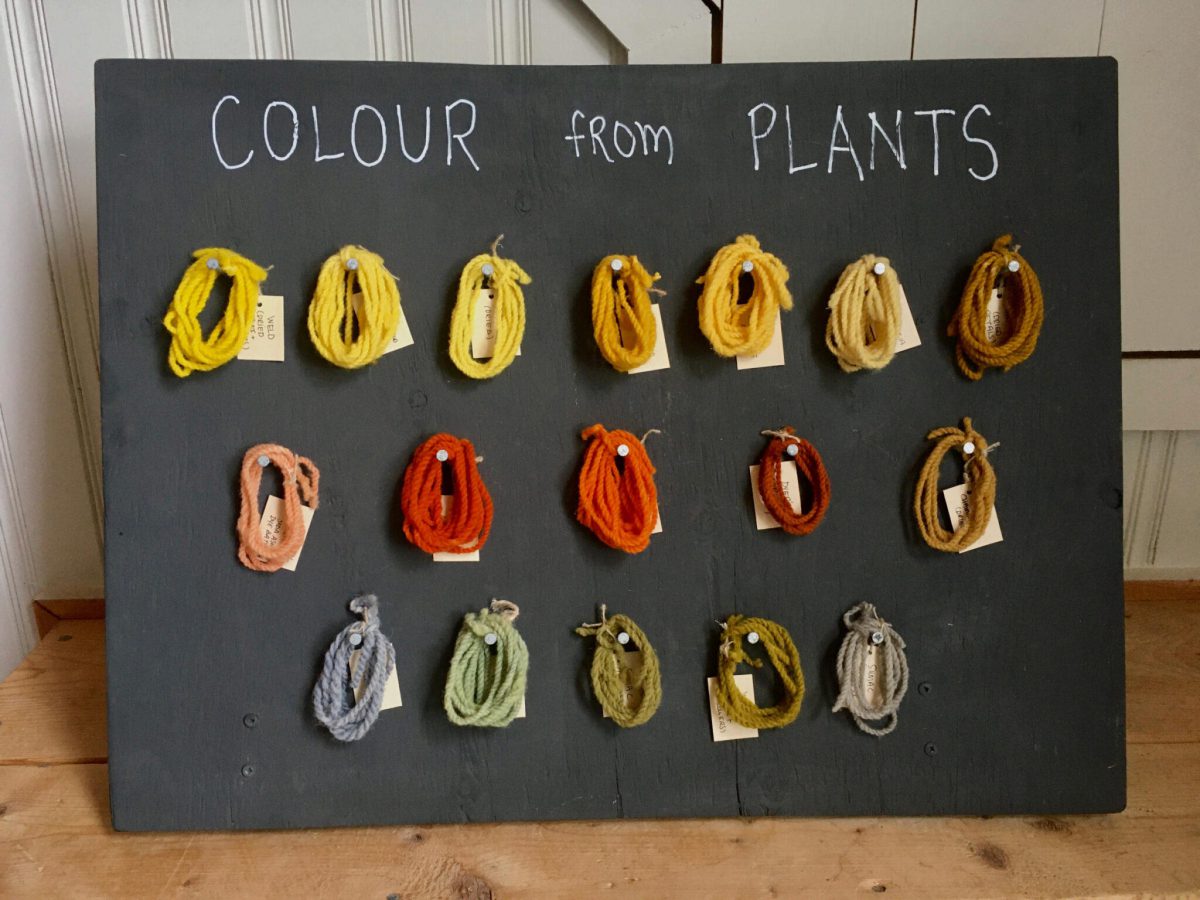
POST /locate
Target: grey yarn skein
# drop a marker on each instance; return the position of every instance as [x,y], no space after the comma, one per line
[334,692]
[892,670]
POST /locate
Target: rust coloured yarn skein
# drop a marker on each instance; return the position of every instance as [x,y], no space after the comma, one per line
[785,445]
[466,523]
[300,481]
[620,507]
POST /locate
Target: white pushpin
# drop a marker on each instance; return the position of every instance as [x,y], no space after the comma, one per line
[488,270]
[616,265]
[747,266]
[969,447]
[1013,265]
[876,637]
[880,268]
[442,455]
[263,460]
[355,639]
[352,264]
[623,638]
[213,264]
[622,450]
[752,637]
[792,449]
[490,638]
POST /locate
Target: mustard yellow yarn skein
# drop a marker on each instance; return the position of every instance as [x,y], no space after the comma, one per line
[348,334]
[190,350]
[508,313]
[622,319]
[864,315]
[736,329]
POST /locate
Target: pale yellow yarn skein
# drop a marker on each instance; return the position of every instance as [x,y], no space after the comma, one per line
[508,313]
[864,315]
[347,334]
[742,329]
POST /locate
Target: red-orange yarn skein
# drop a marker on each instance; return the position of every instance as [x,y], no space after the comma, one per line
[467,520]
[300,479]
[621,508]
[770,482]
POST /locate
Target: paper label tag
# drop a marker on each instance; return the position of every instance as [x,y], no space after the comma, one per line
[630,663]
[956,506]
[264,340]
[908,337]
[521,712]
[723,727]
[391,688]
[789,475]
[401,339]
[657,529]
[872,688]
[772,354]
[658,358]
[483,326]
[270,526]
[473,556]
[996,325]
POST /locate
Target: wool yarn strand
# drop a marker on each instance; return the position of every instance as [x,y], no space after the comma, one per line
[770,481]
[867,633]
[864,315]
[981,485]
[489,669]
[508,313]
[300,481]
[190,350]
[334,703]
[784,658]
[623,321]
[735,328]
[347,334]
[1023,304]
[607,666]
[467,522]
[619,506]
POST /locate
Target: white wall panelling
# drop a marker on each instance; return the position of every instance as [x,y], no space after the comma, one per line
[826,31]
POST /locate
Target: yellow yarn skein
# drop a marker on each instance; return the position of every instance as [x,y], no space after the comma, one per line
[864,315]
[621,311]
[733,328]
[190,350]
[508,313]
[349,334]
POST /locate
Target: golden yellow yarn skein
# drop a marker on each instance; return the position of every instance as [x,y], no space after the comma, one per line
[349,334]
[622,319]
[508,313]
[736,329]
[190,350]
[864,315]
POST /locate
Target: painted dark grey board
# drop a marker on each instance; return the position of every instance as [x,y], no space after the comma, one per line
[1019,644]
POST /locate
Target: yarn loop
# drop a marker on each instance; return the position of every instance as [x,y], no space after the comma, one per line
[346,333]
[735,328]
[770,481]
[981,486]
[465,525]
[334,703]
[784,658]
[486,682]
[300,480]
[508,312]
[619,506]
[864,315]
[867,633]
[645,686]
[622,316]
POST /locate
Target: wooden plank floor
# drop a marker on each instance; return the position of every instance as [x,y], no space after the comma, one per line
[56,841]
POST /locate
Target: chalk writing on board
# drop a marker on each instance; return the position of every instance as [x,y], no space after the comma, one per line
[655,139]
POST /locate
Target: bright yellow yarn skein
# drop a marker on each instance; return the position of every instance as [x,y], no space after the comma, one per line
[508,313]
[737,329]
[622,315]
[190,350]
[864,315]
[349,334]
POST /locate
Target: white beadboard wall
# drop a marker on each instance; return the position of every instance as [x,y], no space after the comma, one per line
[50,482]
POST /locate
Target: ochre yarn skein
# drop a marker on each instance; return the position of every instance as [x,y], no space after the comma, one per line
[190,350]
[1023,305]
[346,334]
[622,316]
[300,482]
[770,482]
[620,507]
[607,683]
[981,484]
[508,313]
[784,657]
[864,315]
[465,526]
[734,328]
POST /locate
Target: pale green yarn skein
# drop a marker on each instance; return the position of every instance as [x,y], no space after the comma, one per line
[486,683]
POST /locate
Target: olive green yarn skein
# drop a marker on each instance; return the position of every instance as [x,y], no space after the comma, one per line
[785,659]
[486,682]
[607,665]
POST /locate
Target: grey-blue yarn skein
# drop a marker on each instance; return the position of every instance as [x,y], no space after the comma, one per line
[334,692]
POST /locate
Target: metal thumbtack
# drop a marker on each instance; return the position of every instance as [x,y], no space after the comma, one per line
[792,449]
[490,638]
[880,268]
[623,638]
[213,264]
[969,447]
[263,460]
[355,639]
[876,637]
[488,270]
[1013,265]
[752,637]
[352,264]
[616,265]
[747,266]
[622,450]
[443,455]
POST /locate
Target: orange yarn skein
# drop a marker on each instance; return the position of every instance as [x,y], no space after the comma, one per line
[770,483]
[300,479]
[620,507]
[465,525]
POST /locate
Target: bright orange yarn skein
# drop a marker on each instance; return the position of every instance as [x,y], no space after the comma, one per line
[466,523]
[620,507]
[770,484]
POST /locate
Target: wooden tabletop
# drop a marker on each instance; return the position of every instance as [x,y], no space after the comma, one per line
[56,839]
